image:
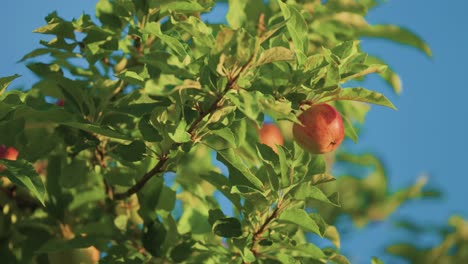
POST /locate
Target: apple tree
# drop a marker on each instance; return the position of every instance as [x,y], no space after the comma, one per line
[139,143]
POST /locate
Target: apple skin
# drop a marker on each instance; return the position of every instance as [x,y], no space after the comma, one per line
[8,153]
[271,136]
[322,129]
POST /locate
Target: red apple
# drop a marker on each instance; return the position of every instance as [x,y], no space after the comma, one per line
[8,153]
[322,129]
[270,135]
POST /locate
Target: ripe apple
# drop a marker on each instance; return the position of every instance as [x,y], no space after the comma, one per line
[270,135]
[322,129]
[8,153]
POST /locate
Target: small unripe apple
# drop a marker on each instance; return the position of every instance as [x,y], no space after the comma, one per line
[270,135]
[322,129]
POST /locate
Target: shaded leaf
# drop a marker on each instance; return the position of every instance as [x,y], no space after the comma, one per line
[227,227]
[132,152]
[96,129]
[5,81]
[23,174]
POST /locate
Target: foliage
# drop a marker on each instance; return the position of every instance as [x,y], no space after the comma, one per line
[453,247]
[156,99]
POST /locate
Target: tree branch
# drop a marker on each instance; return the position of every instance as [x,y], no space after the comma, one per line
[259,233]
[159,167]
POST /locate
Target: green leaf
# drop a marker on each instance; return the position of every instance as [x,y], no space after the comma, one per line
[55,245]
[180,135]
[182,251]
[221,139]
[321,178]
[57,27]
[397,34]
[153,238]
[349,129]
[149,132]
[5,81]
[332,234]
[121,222]
[222,184]
[376,261]
[306,250]
[74,174]
[214,215]
[273,55]
[227,227]
[154,28]
[297,28]
[230,156]
[245,190]
[23,174]
[84,198]
[300,218]
[309,191]
[360,95]
[277,109]
[202,34]
[132,152]
[131,77]
[248,256]
[246,102]
[334,257]
[316,165]
[98,130]
[284,167]
[346,49]
[236,15]
[156,196]
[182,6]
[389,75]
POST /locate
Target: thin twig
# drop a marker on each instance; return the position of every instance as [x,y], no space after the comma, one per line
[141,182]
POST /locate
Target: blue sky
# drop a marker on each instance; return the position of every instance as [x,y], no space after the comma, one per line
[425,136]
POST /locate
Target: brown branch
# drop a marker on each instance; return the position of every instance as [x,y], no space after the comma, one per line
[259,233]
[141,182]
